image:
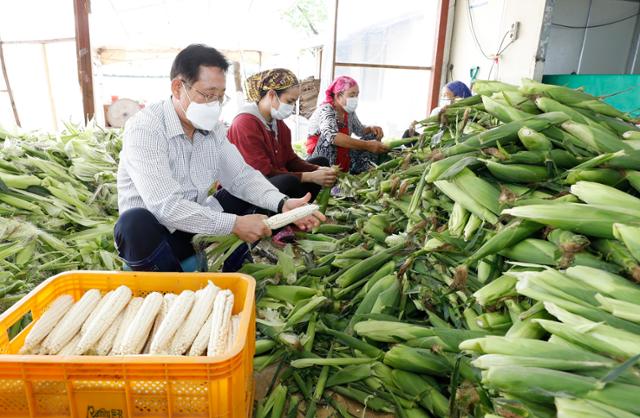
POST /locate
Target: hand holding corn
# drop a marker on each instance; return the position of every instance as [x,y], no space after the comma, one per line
[308,222]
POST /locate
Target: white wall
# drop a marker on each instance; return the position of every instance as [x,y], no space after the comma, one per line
[492,19]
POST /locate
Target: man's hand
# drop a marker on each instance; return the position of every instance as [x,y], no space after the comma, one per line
[377,147]
[323,176]
[250,228]
[311,221]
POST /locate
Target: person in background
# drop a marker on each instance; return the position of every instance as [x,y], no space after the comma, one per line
[264,140]
[332,125]
[172,153]
[450,92]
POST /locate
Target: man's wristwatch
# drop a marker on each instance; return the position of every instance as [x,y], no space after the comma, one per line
[281,204]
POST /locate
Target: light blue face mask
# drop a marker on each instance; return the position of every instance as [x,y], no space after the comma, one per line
[283,111]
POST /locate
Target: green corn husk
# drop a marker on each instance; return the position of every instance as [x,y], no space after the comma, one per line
[532,250]
[494,321]
[608,284]
[472,225]
[456,194]
[387,331]
[584,219]
[619,308]
[504,112]
[606,176]
[631,135]
[370,401]
[439,168]
[508,236]
[630,236]
[617,253]
[600,194]
[633,177]
[483,192]
[457,220]
[572,97]
[502,287]
[585,408]
[417,387]
[367,266]
[547,104]
[596,138]
[517,173]
[416,360]
[506,133]
[489,87]
[534,141]
[398,142]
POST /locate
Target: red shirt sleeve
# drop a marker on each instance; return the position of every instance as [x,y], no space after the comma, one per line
[251,138]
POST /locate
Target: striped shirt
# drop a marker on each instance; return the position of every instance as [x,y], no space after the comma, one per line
[168,174]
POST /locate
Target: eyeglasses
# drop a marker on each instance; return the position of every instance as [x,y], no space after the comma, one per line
[223,99]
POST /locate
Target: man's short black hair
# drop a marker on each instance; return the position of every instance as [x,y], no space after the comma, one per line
[188,61]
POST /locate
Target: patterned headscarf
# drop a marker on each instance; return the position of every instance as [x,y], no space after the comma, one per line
[339,85]
[277,79]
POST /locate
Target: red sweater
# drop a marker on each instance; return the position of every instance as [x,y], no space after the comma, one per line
[261,150]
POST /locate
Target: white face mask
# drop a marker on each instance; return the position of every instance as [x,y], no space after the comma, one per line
[283,111]
[351,105]
[202,115]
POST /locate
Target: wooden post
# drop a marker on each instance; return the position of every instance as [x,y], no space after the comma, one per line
[436,74]
[83,54]
[6,83]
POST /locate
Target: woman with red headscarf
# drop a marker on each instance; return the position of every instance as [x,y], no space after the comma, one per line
[332,125]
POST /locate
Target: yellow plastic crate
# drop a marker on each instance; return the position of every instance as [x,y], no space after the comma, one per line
[128,386]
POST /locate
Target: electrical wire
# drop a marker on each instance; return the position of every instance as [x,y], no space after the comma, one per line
[560,25]
[473,31]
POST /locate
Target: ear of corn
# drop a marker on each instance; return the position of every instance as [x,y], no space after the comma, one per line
[600,194]
[200,344]
[534,141]
[202,308]
[138,330]
[105,344]
[630,236]
[103,300]
[72,322]
[220,323]
[284,219]
[115,303]
[129,314]
[47,322]
[174,319]
[167,302]
[518,173]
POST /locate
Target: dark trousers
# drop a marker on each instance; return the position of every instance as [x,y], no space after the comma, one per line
[146,245]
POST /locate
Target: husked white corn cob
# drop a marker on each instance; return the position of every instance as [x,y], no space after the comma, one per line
[139,328]
[116,300]
[284,219]
[46,323]
[103,301]
[167,301]
[221,323]
[130,312]
[201,342]
[72,322]
[105,343]
[235,325]
[70,348]
[175,318]
[197,317]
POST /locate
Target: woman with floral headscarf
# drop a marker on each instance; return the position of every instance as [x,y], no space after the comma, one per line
[332,125]
[264,140]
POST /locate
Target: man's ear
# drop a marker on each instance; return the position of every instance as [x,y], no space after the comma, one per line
[176,88]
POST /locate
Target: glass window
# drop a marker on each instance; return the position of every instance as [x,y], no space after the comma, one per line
[400,32]
[390,98]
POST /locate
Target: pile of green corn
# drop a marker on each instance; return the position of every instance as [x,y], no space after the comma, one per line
[58,203]
[489,268]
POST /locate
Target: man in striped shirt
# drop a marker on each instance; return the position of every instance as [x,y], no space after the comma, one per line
[172,153]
